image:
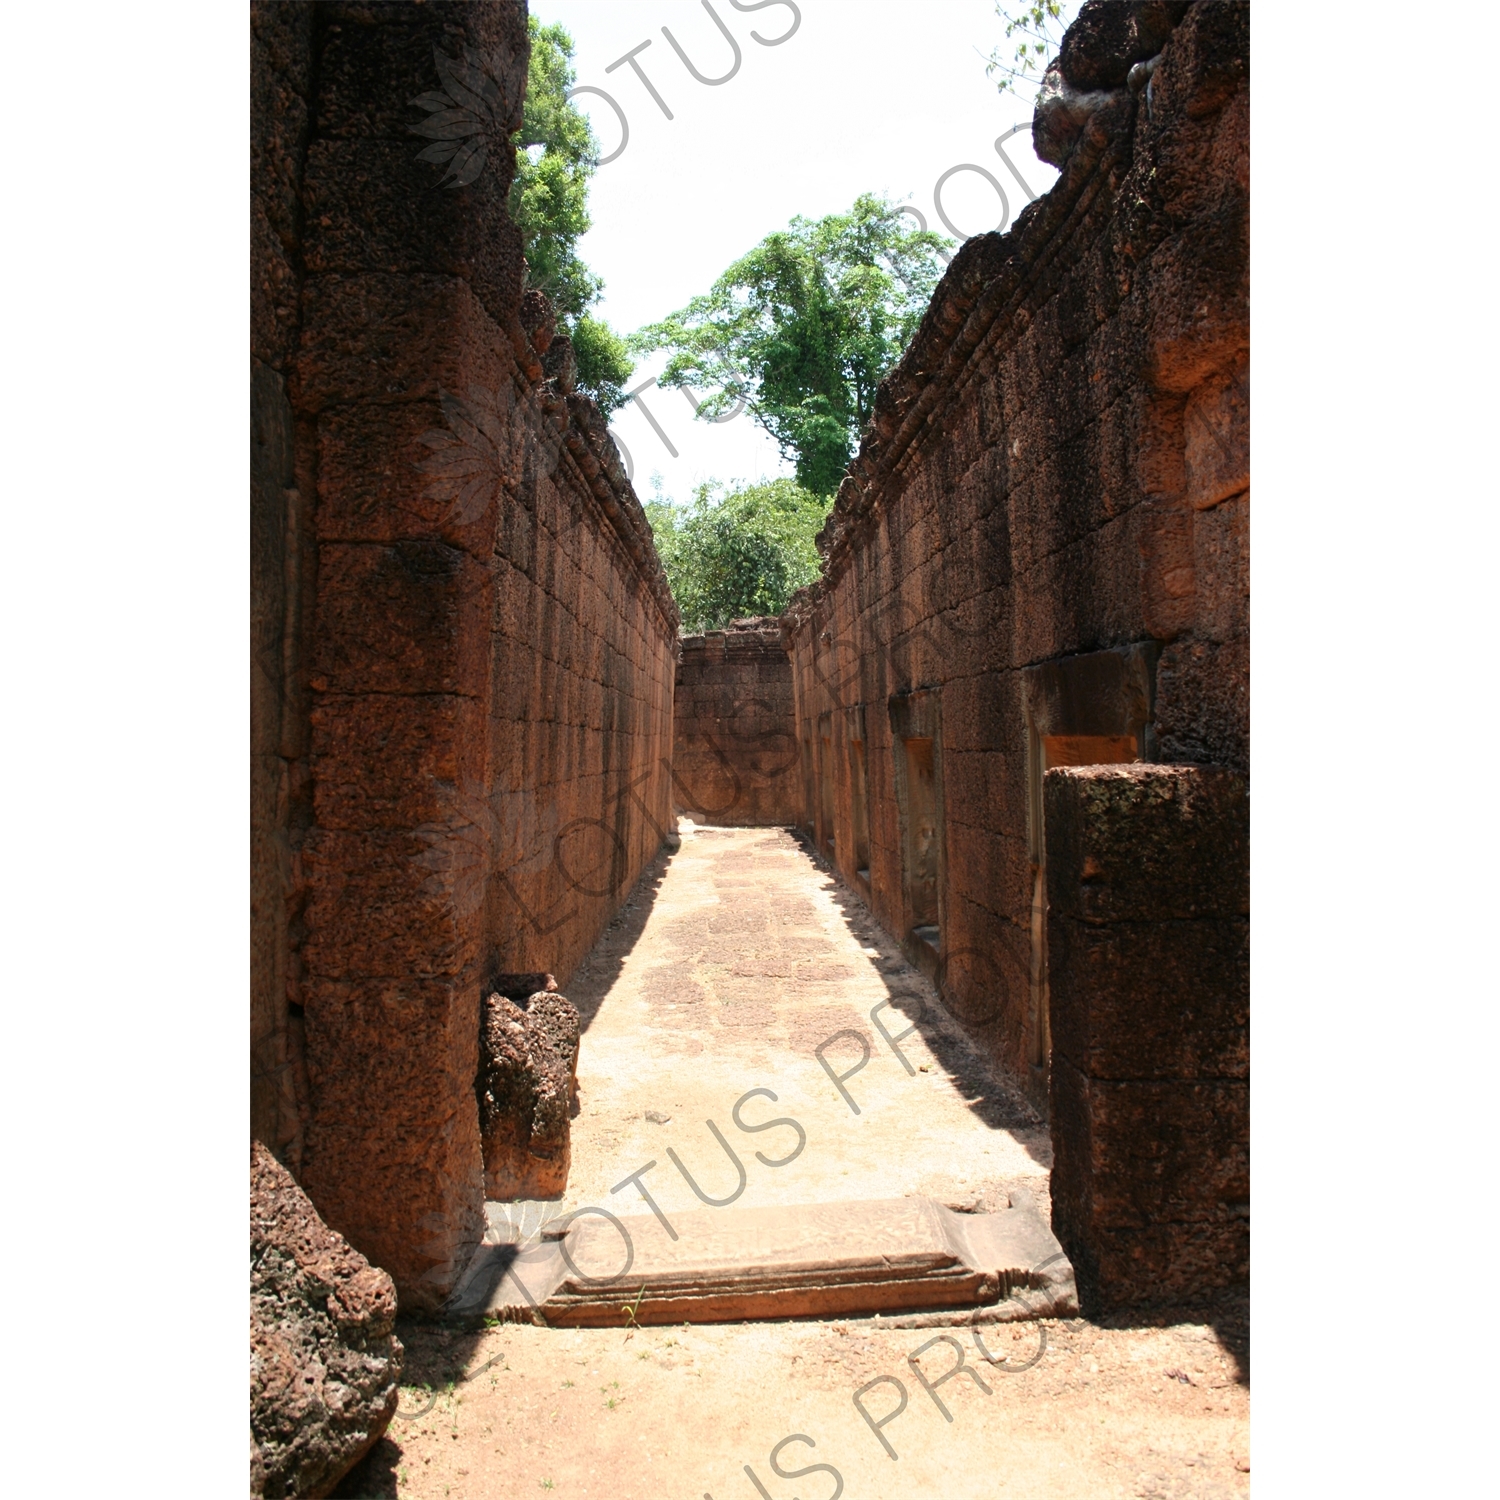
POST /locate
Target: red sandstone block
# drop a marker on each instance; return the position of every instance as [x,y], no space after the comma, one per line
[1147,843]
[1196,285]
[1127,1154]
[275,286]
[1221,570]
[280,83]
[392,473]
[390,339]
[377,58]
[1216,428]
[393,1146]
[516,533]
[373,207]
[399,902]
[1086,595]
[1151,1000]
[390,760]
[408,618]
[375,1039]
[1203,702]
[395,1165]
[1168,581]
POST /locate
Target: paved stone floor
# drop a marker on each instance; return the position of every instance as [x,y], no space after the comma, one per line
[734,960]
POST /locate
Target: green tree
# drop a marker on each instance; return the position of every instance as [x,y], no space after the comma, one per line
[604,362]
[803,328]
[555,158]
[728,556]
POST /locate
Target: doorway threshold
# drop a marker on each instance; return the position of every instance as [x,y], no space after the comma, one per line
[875,1258]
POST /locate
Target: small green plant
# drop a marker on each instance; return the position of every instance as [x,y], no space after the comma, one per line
[568,1384]
[546,1484]
[631,1308]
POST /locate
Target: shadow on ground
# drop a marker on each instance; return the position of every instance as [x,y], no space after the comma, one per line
[588,985]
[959,1047]
[440,1359]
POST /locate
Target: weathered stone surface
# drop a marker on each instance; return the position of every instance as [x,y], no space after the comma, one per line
[1055,482]
[807,1260]
[464,642]
[528,1075]
[1108,36]
[561,364]
[1149,975]
[324,1363]
[735,759]
[1147,843]
[281,44]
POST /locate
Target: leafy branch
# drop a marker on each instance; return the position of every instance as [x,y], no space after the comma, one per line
[1039,27]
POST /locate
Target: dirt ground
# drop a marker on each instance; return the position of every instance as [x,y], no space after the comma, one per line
[733,960]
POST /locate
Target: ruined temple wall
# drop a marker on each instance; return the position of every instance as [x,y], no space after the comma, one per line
[280,548]
[1058,467]
[735,759]
[481,679]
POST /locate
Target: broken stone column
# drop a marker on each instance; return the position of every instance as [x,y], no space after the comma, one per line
[324,1363]
[528,1077]
[1148,895]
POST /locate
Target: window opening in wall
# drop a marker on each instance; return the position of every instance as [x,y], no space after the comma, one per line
[825,781]
[1050,751]
[1090,710]
[809,779]
[922,840]
[860,791]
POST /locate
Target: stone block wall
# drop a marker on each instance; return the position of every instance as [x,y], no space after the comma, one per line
[1044,535]
[1148,890]
[735,759]
[466,644]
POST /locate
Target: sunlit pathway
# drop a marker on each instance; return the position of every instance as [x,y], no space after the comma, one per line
[749,960]
[735,959]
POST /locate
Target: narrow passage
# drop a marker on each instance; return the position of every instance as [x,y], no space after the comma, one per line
[729,970]
[734,960]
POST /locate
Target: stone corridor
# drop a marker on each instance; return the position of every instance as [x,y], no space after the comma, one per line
[1008,724]
[735,959]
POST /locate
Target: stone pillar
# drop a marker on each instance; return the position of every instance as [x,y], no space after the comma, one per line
[281,69]
[413,278]
[1148,952]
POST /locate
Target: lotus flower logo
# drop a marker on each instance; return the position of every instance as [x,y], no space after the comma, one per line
[461,118]
[457,853]
[469,461]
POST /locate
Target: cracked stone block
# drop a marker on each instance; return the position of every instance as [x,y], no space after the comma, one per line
[528,1072]
[324,1363]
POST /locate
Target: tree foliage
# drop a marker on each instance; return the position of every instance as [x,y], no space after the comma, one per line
[803,328]
[1035,33]
[729,556]
[555,158]
[604,362]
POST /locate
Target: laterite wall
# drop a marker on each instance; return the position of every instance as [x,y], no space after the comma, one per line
[464,647]
[1040,555]
[734,742]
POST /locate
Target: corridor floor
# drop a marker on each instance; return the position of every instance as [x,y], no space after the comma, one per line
[735,960]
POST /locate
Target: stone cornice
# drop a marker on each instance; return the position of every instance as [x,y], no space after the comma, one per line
[982,306]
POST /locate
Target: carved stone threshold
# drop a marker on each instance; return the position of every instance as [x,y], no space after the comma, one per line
[897,1256]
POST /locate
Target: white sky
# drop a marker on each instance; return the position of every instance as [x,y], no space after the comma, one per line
[866,95]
